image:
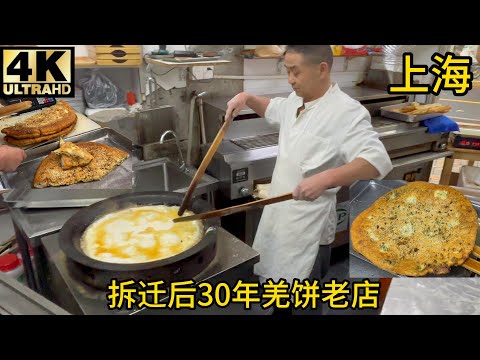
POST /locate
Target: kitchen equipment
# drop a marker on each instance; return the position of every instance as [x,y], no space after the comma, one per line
[236,209]
[144,129]
[388,111]
[234,260]
[15,108]
[363,195]
[466,138]
[23,194]
[99,274]
[201,169]
[17,299]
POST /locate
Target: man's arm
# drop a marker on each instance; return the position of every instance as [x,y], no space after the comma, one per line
[257,103]
[10,158]
[312,187]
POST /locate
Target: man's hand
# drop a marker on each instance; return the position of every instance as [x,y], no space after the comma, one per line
[10,158]
[312,187]
[235,105]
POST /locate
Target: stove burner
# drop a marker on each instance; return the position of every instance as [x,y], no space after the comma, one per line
[255,142]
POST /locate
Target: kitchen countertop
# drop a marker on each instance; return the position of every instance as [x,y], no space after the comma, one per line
[433,296]
[17,299]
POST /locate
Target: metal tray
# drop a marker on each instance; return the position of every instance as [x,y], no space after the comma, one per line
[387,111]
[364,194]
[119,181]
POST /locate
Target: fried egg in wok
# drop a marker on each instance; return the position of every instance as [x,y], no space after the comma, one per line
[140,234]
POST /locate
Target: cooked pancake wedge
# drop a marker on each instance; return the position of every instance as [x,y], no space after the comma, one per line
[30,141]
[72,155]
[417,229]
[105,159]
[48,121]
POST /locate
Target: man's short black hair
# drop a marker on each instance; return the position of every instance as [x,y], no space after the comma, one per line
[314,54]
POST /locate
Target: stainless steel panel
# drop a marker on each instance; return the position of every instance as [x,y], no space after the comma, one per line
[119,181]
[405,139]
[164,175]
[17,299]
[419,159]
[146,126]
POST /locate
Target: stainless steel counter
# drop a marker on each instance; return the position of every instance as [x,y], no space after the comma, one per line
[433,296]
[17,299]
[234,260]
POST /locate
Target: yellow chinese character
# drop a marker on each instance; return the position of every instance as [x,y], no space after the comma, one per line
[408,71]
[369,299]
[276,293]
[244,293]
[454,73]
[207,293]
[305,292]
[336,293]
[182,297]
[155,293]
[120,293]
[226,294]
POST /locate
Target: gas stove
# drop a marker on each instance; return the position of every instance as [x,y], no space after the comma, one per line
[234,260]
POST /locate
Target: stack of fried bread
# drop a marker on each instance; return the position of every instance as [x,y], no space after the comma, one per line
[80,162]
[416,108]
[48,124]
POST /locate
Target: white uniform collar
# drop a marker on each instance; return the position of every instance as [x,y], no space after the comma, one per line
[311,104]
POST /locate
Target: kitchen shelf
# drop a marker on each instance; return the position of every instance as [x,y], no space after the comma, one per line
[85,62]
[281,57]
[249,57]
[94,66]
[162,62]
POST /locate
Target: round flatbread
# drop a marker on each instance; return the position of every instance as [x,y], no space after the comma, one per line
[417,229]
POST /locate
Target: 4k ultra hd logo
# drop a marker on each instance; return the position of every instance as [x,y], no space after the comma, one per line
[37,71]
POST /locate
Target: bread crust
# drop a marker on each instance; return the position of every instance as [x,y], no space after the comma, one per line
[417,229]
[48,121]
[30,141]
[105,159]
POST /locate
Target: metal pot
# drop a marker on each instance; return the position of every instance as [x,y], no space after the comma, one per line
[183,266]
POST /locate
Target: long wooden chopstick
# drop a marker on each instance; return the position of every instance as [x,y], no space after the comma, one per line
[472,265]
[201,169]
[235,209]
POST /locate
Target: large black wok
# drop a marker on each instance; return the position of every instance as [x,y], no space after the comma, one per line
[183,266]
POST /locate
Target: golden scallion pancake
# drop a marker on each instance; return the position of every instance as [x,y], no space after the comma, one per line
[417,229]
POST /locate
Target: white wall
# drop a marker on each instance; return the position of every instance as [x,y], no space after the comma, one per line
[347,72]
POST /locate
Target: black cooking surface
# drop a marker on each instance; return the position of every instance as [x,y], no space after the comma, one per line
[255,142]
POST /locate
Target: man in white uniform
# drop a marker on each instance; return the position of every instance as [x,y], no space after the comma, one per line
[326,141]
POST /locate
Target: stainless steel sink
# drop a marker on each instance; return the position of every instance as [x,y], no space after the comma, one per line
[165,175]
[144,128]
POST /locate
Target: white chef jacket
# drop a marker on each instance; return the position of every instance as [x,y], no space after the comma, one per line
[331,131]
